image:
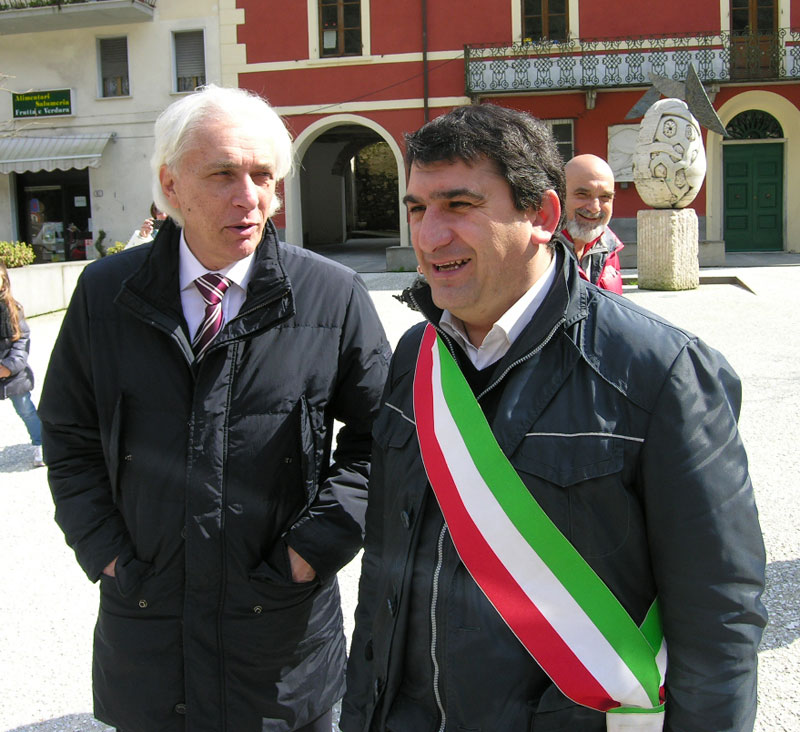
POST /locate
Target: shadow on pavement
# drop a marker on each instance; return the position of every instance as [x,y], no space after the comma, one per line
[16,458]
[781,599]
[69,723]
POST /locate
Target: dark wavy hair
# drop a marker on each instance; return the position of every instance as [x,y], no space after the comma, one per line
[9,310]
[522,147]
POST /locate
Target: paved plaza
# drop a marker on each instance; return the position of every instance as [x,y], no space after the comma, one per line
[47,606]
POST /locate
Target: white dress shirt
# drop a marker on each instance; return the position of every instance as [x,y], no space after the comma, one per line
[194,307]
[507,329]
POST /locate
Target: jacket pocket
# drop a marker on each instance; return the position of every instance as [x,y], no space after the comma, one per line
[141,589]
[578,480]
[273,628]
[556,713]
[396,454]
[308,453]
[114,437]
[407,714]
[137,671]
[567,716]
[393,428]
[277,570]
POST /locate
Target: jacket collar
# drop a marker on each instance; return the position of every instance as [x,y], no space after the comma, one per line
[599,244]
[153,292]
[567,301]
[526,392]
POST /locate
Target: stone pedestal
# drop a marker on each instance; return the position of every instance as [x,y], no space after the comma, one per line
[667,249]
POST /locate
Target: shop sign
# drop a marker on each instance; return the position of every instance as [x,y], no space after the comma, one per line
[53,103]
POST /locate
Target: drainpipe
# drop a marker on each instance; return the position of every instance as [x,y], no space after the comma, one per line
[425,81]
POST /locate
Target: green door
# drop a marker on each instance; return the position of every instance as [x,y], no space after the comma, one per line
[753,208]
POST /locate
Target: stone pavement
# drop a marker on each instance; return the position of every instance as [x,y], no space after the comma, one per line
[47,606]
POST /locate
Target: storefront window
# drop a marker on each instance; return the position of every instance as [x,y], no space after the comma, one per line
[54,214]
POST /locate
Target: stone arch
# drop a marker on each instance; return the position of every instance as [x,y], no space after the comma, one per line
[788,116]
[301,145]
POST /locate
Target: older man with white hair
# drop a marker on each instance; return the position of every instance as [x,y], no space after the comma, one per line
[188,415]
[588,207]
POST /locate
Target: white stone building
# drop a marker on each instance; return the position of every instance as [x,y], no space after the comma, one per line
[89,79]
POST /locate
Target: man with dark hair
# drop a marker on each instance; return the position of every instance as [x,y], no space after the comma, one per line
[561,532]
[520,147]
[188,416]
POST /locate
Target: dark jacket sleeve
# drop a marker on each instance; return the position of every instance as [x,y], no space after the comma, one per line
[364,682]
[16,358]
[73,445]
[331,531]
[706,545]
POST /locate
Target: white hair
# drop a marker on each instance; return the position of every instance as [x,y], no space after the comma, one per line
[176,124]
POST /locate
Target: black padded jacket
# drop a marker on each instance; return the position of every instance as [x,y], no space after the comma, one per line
[624,428]
[198,476]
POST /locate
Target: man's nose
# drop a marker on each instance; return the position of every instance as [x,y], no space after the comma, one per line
[432,232]
[246,194]
[593,204]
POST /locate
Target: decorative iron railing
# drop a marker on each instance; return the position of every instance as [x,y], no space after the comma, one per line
[588,63]
[28,4]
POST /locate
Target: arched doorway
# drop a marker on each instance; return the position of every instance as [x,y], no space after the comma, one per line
[753,183]
[346,174]
[343,197]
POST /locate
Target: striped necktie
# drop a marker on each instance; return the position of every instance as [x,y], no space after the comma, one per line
[211,287]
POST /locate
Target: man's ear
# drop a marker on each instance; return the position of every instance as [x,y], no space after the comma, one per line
[167,179]
[545,219]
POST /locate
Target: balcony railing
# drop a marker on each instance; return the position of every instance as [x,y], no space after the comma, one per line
[25,4]
[592,63]
[29,16]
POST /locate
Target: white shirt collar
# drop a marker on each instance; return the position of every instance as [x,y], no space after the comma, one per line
[190,268]
[507,328]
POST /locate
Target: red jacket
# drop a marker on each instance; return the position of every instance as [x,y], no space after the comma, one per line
[601,260]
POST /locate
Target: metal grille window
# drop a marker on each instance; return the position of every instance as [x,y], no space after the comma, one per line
[754,124]
[755,51]
[340,27]
[545,19]
[563,133]
[190,60]
[114,67]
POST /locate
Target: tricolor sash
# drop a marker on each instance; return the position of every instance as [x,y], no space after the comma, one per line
[546,593]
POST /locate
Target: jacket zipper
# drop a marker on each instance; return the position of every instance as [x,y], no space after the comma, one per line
[440,544]
[223,548]
[434,628]
[222,539]
[530,354]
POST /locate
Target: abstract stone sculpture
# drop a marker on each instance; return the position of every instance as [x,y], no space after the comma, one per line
[669,163]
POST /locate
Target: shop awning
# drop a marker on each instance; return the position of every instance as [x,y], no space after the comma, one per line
[32,154]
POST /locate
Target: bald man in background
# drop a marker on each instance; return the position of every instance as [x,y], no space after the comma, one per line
[589,205]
